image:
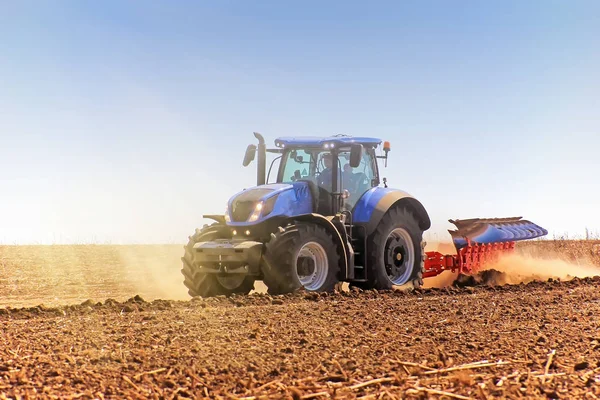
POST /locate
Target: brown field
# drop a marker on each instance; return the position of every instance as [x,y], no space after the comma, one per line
[531,340]
[54,275]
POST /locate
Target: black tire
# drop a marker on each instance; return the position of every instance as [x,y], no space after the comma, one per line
[389,248]
[283,251]
[208,285]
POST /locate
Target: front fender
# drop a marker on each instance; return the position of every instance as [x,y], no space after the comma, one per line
[373,205]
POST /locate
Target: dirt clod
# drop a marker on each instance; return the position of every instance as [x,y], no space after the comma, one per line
[488,277]
[127,308]
[87,303]
[581,366]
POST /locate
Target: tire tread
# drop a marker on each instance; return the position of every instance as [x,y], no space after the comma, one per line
[205,285]
[278,272]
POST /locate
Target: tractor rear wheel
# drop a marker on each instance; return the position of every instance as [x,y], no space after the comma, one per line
[301,255]
[209,285]
[396,253]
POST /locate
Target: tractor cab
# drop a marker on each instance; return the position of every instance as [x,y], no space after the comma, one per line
[338,169]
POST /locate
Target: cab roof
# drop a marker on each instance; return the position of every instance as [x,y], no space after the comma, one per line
[338,140]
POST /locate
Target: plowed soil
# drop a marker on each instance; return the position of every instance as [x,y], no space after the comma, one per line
[475,339]
[539,340]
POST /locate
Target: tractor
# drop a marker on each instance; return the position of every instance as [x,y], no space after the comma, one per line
[330,218]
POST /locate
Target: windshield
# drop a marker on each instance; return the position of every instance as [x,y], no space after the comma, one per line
[316,165]
[306,164]
[297,164]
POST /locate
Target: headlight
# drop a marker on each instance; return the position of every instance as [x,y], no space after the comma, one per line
[256,213]
[263,208]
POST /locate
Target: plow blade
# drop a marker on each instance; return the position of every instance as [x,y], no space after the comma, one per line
[494,230]
[480,242]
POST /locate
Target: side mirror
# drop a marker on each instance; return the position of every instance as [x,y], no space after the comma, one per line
[356,152]
[250,154]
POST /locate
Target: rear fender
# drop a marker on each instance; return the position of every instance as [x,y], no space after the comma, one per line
[339,236]
[373,205]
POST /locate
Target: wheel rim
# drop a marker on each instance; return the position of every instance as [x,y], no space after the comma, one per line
[232,281]
[399,256]
[312,266]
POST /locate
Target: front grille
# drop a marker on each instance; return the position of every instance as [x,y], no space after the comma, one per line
[241,210]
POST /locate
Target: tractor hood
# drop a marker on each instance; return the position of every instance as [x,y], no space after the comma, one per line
[255,205]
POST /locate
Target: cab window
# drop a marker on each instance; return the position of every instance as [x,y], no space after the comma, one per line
[357,180]
[297,165]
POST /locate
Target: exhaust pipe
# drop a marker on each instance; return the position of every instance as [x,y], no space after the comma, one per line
[261,160]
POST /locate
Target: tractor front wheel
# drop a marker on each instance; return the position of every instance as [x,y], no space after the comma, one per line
[210,285]
[395,253]
[301,255]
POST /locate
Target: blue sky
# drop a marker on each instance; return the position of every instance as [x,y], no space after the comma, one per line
[125,121]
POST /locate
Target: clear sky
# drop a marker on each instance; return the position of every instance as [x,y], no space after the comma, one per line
[125,121]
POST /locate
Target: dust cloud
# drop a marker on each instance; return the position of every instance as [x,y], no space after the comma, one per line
[522,267]
[154,270]
[70,274]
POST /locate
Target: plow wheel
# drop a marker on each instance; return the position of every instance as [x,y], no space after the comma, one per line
[395,253]
[301,255]
[209,285]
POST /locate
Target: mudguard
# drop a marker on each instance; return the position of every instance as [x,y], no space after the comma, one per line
[373,205]
[339,237]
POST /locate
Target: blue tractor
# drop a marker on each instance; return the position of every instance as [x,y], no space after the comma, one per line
[328,218]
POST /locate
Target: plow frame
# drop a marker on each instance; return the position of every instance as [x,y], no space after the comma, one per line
[468,260]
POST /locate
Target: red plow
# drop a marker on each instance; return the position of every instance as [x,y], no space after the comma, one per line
[479,242]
